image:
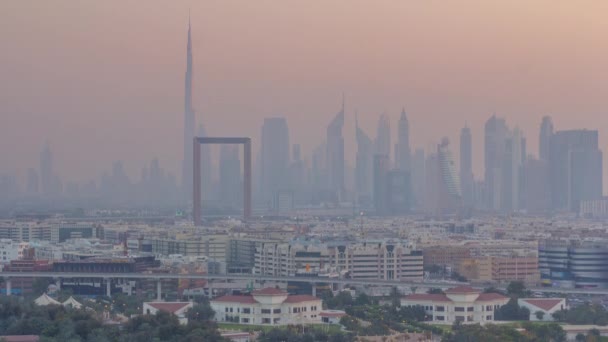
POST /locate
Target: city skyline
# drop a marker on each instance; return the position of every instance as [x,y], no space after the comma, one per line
[305,104]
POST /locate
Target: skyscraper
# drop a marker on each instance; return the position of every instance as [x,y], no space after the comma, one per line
[443,195]
[466,166]
[381,169]
[206,167]
[403,152]
[275,157]
[513,168]
[418,178]
[32,182]
[46,171]
[230,176]
[297,175]
[544,139]
[576,168]
[448,194]
[496,132]
[383,136]
[537,186]
[364,165]
[189,124]
[335,155]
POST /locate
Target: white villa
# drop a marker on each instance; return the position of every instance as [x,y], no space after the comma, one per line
[462,303]
[548,306]
[268,306]
[179,309]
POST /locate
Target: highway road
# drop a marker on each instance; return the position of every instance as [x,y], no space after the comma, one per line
[259,279]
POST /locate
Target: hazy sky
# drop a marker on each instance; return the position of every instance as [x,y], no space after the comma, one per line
[104,80]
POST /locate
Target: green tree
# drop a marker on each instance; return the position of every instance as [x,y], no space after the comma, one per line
[435,291]
[516,289]
[40,286]
[433,269]
[512,312]
[492,289]
[395,297]
[539,315]
[363,299]
[200,313]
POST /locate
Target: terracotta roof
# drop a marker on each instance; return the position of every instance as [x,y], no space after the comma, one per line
[235,299]
[300,298]
[269,291]
[484,297]
[169,307]
[545,304]
[436,297]
[461,290]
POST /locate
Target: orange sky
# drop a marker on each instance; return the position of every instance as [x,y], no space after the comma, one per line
[103,80]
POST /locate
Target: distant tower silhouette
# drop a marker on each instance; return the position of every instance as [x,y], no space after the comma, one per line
[189,123]
[335,154]
[403,153]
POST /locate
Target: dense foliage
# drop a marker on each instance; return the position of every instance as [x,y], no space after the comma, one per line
[491,332]
[61,324]
[292,334]
[368,318]
[512,312]
[587,313]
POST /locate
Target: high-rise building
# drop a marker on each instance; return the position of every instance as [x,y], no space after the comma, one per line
[32,182]
[544,140]
[381,170]
[418,178]
[447,167]
[335,156]
[275,157]
[399,192]
[512,171]
[297,175]
[537,191]
[364,166]
[443,188]
[206,167]
[383,137]
[402,150]
[466,166]
[230,176]
[189,125]
[576,168]
[496,132]
[47,177]
[318,173]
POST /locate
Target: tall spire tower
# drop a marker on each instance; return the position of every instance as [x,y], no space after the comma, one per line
[189,124]
[403,143]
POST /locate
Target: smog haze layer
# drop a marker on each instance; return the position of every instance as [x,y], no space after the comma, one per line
[104,80]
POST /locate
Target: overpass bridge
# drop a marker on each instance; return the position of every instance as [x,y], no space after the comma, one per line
[158,277]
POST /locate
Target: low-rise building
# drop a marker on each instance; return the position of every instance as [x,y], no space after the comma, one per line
[382,259]
[269,306]
[548,306]
[9,250]
[501,269]
[462,303]
[450,256]
[179,309]
[332,316]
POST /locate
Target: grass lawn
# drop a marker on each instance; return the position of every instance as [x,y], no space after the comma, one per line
[445,327]
[329,328]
